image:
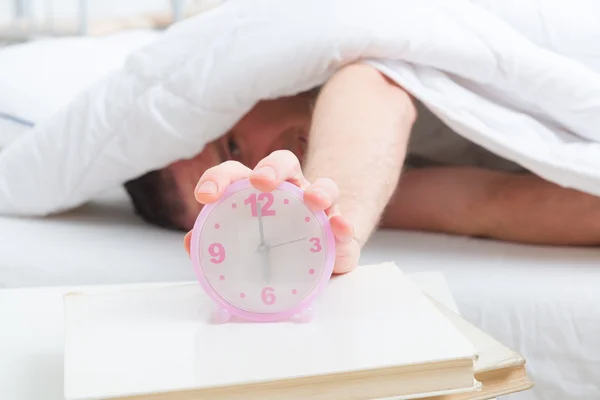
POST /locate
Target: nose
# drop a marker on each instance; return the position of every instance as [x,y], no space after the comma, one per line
[256,157]
[261,148]
[292,140]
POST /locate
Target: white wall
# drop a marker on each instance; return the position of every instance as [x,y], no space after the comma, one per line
[97,9]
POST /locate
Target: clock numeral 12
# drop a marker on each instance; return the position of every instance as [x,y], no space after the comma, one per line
[253,200]
[317,245]
[217,251]
[268,296]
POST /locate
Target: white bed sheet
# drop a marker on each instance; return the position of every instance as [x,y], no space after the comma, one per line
[545,302]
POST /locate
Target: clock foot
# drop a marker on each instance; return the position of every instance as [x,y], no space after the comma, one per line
[222,316]
[307,315]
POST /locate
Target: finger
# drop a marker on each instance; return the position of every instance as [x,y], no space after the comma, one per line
[347,250]
[342,229]
[277,167]
[321,195]
[347,255]
[187,241]
[215,180]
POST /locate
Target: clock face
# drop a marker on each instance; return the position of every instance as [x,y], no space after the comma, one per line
[264,252]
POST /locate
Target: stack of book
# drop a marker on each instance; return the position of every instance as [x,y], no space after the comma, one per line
[375,335]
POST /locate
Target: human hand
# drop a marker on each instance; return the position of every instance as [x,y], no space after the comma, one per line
[269,173]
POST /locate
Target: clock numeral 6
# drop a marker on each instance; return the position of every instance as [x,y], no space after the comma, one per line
[217,251]
[265,211]
[268,296]
[317,245]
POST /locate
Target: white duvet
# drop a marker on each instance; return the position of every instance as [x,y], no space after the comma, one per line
[520,78]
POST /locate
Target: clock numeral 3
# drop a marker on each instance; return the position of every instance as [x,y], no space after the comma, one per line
[268,296]
[265,211]
[217,251]
[317,245]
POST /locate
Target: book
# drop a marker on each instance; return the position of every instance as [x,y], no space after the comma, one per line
[375,335]
[500,369]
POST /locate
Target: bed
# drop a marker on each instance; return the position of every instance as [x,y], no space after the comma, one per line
[544,302]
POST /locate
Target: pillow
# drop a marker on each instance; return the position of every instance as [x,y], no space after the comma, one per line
[38,78]
[11,127]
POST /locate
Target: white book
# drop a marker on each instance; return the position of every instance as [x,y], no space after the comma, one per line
[374,335]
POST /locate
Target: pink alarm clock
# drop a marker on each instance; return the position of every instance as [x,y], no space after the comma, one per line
[262,256]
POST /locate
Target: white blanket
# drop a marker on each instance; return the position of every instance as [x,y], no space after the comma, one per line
[520,78]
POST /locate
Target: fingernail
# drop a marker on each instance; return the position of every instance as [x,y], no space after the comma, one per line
[208,187]
[321,193]
[266,172]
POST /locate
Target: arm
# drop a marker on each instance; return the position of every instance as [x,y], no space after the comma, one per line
[357,144]
[358,138]
[505,206]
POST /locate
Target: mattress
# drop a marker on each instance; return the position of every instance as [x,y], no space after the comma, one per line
[543,302]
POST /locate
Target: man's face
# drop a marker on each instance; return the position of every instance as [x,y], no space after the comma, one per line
[271,125]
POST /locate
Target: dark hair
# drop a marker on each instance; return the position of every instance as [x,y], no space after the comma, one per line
[156,199]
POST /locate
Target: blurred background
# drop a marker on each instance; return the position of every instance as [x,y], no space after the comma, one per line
[26,19]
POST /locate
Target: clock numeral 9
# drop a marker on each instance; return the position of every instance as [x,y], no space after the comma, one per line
[268,296]
[317,245]
[265,211]
[217,251]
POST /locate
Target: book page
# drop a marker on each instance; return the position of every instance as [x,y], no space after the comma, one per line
[162,339]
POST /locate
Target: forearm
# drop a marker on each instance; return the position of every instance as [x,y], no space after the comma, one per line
[358,138]
[441,199]
[504,206]
[528,209]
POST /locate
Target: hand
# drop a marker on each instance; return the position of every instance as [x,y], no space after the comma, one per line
[268,174]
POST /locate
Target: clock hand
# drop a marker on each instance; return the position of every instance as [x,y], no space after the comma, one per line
[266,265]
[262,247]
[284,243]
[260,224]
[266,251]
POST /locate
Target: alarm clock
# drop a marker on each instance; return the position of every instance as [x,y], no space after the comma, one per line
[262,256]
